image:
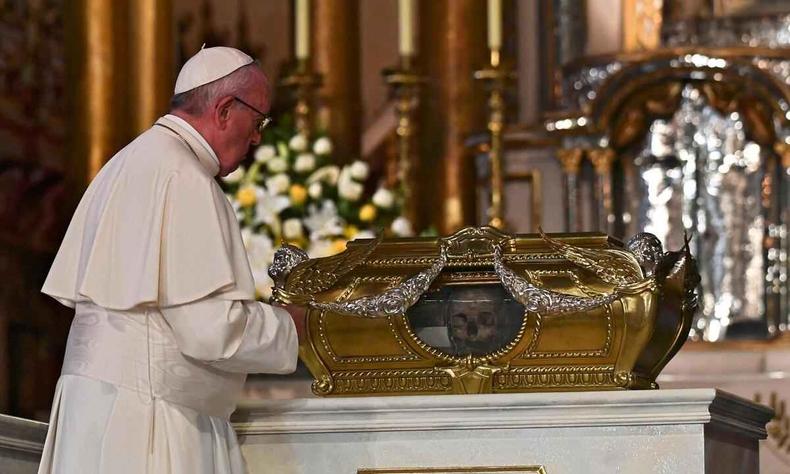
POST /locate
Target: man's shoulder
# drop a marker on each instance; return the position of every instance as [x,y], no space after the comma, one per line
[157,151]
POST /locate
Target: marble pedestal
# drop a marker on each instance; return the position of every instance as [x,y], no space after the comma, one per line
[660,431]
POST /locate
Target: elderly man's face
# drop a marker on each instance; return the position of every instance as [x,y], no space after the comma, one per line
[245,114]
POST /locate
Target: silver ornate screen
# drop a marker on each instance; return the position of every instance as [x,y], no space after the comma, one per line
[697,172]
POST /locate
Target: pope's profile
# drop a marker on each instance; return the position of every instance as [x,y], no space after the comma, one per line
[166,324]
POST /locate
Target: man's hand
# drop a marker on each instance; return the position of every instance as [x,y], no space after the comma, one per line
[299,315]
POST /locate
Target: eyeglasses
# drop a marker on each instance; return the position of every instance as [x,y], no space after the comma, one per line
[265,119]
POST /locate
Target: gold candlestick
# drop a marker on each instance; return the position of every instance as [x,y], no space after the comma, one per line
[303,81]
[404,85]
[496,77]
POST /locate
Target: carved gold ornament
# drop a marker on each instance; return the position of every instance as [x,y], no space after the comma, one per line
[482,311]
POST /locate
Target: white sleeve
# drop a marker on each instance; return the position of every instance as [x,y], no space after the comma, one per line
[235,336]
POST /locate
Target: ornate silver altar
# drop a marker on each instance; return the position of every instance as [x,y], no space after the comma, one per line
[691,141]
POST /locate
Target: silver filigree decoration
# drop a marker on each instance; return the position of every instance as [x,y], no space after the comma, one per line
[544,301]
[286,258]
[647,249]
[392,302]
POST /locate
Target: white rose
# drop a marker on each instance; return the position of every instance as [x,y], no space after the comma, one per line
[315,190]
[327,174]
[322,146]
[292,228]
[383,198]
[304,163]
[402,227]
[265,153]
[323,220]
[278,183]
[260,249]
[349,189]
[277,164]
[235,176]
[298,142]
[359,170]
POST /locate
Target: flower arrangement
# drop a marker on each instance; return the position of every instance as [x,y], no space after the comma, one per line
[292,193]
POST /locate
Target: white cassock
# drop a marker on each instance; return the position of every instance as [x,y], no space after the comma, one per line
[166,325]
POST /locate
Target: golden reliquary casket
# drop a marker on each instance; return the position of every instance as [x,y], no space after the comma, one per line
[486,312]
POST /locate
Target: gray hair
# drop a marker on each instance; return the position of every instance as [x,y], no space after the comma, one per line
[199,99]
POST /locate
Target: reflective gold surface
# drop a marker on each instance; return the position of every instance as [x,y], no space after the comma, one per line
[153,60]
[619,345]
[96,48]
[642,20]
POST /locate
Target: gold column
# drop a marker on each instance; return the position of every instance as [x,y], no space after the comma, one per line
[336,57]
[570,160]
[602,160]
[452,46]
[642,21]
[96,72]
[152,51]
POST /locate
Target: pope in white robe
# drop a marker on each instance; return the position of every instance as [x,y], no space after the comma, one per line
[166,325]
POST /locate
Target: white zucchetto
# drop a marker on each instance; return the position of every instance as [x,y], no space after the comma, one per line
[208,65]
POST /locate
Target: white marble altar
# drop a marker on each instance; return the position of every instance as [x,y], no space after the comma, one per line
[757,370]
[21,442]
[660,431]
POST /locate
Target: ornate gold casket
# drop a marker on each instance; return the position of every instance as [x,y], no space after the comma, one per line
[482,311]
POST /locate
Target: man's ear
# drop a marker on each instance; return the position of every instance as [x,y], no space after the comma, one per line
[222,112]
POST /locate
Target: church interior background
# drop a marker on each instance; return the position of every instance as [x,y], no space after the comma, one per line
[619,116]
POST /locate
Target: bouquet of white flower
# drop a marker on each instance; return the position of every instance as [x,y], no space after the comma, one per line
[292,193]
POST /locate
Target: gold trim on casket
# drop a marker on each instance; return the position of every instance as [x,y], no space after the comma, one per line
[482,311]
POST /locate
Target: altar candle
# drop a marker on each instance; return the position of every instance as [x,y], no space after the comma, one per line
[495,24]
[302,30]
[406,27]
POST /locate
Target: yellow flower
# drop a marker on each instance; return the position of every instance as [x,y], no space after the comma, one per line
[298,194]
[338,246]
[350,232]
[246,196]
[367,213]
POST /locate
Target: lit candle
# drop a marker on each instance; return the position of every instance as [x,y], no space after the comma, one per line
[495,24]
[302,31]
[406,27]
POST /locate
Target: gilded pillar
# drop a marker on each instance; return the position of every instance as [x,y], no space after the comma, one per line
[152,59]
[642,21]
[570,160]
[336,57]
[98,90]
[602,160]
[452,46]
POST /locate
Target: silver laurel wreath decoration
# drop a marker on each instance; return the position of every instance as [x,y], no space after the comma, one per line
[392,302]
[543,301]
